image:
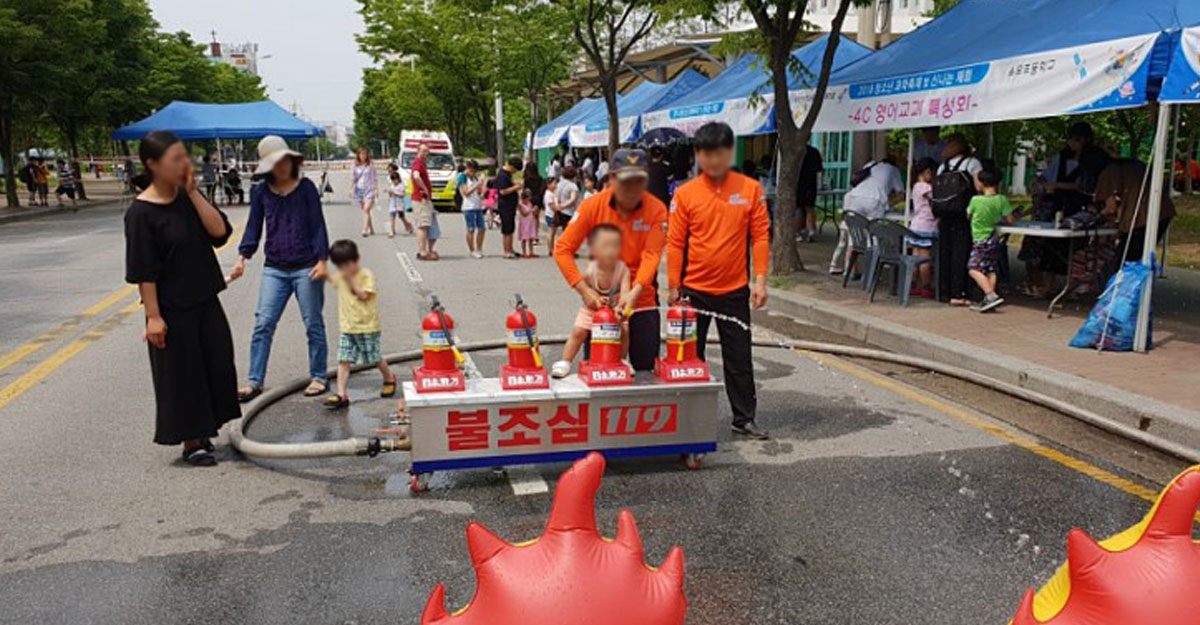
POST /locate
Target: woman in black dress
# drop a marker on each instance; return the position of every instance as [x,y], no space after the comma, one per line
[171,231]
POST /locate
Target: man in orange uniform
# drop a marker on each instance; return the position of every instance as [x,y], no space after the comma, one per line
[718,220]
[642,219]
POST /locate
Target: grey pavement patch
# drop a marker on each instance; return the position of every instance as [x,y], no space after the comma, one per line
[1156,417]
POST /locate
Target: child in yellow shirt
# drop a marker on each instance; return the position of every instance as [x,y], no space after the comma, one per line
[358,320]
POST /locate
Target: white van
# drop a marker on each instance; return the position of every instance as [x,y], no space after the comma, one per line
[441,163]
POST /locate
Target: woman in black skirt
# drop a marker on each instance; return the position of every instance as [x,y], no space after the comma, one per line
[171,231]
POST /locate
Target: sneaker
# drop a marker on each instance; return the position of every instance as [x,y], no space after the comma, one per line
[476,255]
[750,429]
[560,369]
[989,302]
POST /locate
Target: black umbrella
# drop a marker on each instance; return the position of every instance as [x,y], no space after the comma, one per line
[661,137]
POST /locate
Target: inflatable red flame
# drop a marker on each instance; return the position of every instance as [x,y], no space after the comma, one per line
[571,575]
[1147,575]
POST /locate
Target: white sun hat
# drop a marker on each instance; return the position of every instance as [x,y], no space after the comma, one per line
[270,150]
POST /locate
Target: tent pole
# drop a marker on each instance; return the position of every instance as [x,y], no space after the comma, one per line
[1174,153]
[908,182]
[1141,342]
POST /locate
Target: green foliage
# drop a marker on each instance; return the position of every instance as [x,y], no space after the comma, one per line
[71,70]
[463,52]
[394,98]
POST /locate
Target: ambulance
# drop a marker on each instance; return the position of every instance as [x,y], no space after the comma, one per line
[441,163]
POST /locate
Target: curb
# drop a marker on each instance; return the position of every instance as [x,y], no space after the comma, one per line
[27,214]
[1139,411]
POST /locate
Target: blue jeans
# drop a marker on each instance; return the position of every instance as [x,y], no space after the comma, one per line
[278,285]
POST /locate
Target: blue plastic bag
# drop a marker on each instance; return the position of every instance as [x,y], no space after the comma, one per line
[1113,320]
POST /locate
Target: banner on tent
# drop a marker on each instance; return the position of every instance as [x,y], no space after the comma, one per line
[1101,76]
[549,137]
[745,116]
[596,135]
[1182,83]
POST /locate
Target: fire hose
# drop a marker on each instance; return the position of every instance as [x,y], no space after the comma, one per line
[371,446]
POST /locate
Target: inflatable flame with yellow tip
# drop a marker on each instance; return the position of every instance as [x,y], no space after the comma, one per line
[571,575]
[1147,575]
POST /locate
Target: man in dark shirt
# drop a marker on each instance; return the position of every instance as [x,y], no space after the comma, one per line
[506,206]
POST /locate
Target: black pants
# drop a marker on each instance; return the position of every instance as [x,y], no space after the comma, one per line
[954,250]
[735,346]
[643,340]
[195,382]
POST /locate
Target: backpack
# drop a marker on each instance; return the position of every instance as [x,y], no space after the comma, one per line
[952,191]
[860,176]
[25,176]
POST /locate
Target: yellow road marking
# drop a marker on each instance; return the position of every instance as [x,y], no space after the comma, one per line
[48,336]
[1026,443]
[58,358]
[69,351]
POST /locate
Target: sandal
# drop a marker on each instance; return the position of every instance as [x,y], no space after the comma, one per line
[247,393]
[337,402]
[200,456]
[389,388]
[316,387]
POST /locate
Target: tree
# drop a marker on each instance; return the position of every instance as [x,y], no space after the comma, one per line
[780,24]
[394,98]
[536,48]
[452,40]
[608,30]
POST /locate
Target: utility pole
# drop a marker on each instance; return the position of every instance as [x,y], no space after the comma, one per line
[499,129]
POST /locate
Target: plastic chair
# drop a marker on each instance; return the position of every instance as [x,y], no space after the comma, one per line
[891,249]
[858,244]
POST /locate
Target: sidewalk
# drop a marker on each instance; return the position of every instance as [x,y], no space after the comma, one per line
[101,192]
[1158,392]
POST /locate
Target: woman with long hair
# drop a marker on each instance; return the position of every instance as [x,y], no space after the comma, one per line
[363,186]
[296,248]
[171,231]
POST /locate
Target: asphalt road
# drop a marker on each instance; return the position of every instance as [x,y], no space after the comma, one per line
[877,501]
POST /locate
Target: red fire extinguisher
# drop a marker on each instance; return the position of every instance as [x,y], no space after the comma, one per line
[682,363]
[440,356]
[604,366]
[524,369]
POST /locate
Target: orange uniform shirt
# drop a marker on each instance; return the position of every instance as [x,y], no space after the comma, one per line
[710,221]
[643,233]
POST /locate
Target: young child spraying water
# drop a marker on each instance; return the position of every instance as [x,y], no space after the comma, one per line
[358,319]
[607,274]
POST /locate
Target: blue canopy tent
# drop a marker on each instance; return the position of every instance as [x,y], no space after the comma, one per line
[1182,83]
[554,132]
[730,96]
[247,120]
[593,130]
[997,60]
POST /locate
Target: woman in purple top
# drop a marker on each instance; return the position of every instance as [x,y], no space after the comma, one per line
[363,186]
[296,248]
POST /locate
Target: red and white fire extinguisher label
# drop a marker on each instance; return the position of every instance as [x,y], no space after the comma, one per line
[606,333]
[678,330]
[435,339]
[519,338]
